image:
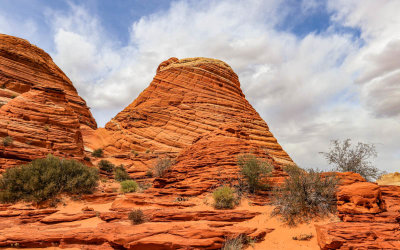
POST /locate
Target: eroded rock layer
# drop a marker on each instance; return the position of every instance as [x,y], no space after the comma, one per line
[187,99]
[370,217]
[40,110]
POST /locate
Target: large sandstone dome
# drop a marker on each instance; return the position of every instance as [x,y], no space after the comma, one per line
[40,109]
[189,98]
[195,111]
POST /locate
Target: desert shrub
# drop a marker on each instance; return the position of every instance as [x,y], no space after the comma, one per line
[234,243]
[134,153]
[144,185]
[129,186]
[346,158]
[121,174]
[106,166]
[149,173]
[97,153]
[292,169]
[224,197]
[303,237]
[305,195]
[181,199]
[162,166]
[43,179]
[86,158]
[7,141]
[137,217]
[253,170]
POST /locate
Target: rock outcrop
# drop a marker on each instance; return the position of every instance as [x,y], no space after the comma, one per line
[195,112]
[189,98]
[40,110]
[370,216]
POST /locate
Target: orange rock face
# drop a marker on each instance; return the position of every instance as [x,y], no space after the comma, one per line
[361,198]
[40,110]
[194,111]
[370,218]
[188,98]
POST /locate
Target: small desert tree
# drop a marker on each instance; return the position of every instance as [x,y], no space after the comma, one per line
[346,158]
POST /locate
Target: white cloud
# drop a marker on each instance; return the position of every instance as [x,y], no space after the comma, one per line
[309,90]
[376,63]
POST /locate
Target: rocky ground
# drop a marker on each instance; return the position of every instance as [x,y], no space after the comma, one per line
[368,217]
[100,221]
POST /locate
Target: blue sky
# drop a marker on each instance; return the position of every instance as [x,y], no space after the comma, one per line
[314,70]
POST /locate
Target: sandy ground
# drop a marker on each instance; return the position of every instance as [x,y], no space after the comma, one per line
[281,237]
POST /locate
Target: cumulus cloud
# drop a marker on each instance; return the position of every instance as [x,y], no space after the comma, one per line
[311,89]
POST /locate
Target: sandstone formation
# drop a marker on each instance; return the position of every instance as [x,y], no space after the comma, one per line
[194,112]
[40,110]
[88,224]
[360,198]
[370,216]
[189,98]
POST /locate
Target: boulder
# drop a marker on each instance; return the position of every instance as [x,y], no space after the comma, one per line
[360,198]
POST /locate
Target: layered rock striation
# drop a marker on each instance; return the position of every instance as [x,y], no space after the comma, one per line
[40,109]
[189,98]
[195,112]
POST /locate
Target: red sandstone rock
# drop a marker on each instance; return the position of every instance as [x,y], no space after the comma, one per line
[360,198]
[143,236]
[211,161]
[194,111]
[170,215]
[39,107]
[187,99]
[370,215]
[358,236]
[59,218]
[346,178]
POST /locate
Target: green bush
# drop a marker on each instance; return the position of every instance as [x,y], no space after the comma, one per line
[97,153]
[137,217]
[129,186]
[106,166]
[224,197]
[7,141]
[43,179]
[121,174]
[162,166]
[305,195]
[253,170]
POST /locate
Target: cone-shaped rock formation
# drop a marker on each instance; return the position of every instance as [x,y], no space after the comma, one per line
[194,110]
[186,99]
